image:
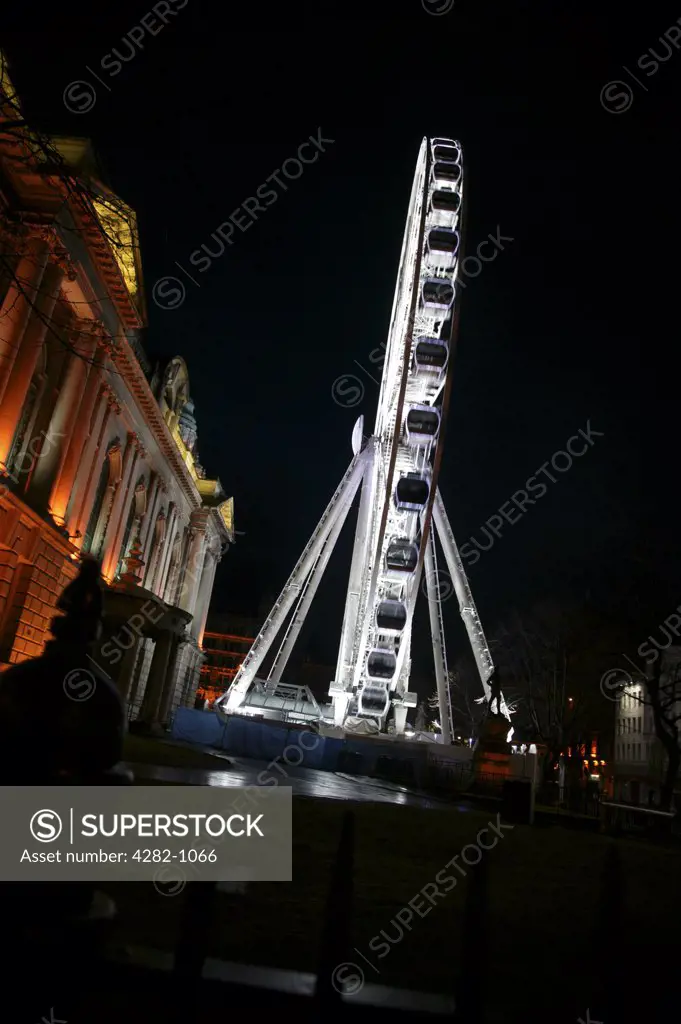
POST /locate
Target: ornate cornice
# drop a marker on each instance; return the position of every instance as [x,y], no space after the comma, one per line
[199,520]
[12,232]
[58,251]
[18,233]
[84,333]
[111,399]
[106,345]
[101,252]
[131,372]
[136,442]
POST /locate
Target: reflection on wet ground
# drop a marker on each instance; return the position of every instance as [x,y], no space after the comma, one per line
[240,771]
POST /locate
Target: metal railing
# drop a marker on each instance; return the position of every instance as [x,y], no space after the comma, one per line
[630,819]
[191,987]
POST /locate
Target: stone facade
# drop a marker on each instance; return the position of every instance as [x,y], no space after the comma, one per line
[640,760]
[98,449]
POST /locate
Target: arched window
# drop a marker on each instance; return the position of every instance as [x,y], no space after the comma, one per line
[175,594]
[96,508]
[98,522]
[173,571]
[155,550]
[138,507]
[22,457]
[8,264]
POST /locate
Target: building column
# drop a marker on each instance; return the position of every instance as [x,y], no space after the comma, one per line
[170,685]
[137,679]
[19,302]
[194,564]
[72,459]
[79,503]
[205,591]
[146,533]
[149,552]
[157,674]
[120,503]
[20,375]
[168,551]
[62,425]
[127,669]
[198,659]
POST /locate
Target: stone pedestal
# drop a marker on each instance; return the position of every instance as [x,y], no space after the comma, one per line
[492,754]
[134,563]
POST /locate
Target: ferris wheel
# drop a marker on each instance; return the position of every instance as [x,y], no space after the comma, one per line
[400,508]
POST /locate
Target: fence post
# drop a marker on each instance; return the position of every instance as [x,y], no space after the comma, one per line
[608,937]
[192,945]
[336,940]
[474,952]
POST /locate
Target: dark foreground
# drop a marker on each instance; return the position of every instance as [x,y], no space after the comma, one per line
[547,928]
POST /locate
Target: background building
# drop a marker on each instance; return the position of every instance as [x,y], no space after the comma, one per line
[225,645]
[98,449]
[226,642]
[640,758]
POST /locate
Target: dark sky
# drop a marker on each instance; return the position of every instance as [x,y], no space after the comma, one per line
[574,321]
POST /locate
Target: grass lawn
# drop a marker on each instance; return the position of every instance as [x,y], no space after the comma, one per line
[543,891]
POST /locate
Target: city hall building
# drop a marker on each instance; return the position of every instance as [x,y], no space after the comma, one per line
[98,444]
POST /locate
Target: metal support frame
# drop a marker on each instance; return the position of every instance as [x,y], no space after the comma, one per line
[397,464]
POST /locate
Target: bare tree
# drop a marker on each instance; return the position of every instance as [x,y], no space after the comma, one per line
[662,693]
[465,689]
[539,657]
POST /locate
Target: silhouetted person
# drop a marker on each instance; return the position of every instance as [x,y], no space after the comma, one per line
[61,719]
[61,723]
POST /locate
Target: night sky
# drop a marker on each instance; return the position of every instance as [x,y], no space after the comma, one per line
[567,325]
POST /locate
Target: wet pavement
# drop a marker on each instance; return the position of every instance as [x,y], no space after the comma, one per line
[241,771]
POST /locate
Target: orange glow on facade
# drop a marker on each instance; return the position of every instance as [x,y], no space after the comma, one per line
[98,450]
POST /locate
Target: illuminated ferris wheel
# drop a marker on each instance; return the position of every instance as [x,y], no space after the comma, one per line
[400,507]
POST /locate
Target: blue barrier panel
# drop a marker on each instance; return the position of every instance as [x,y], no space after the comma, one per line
[327,753]
[265,741]
[201,727]
[262,741]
